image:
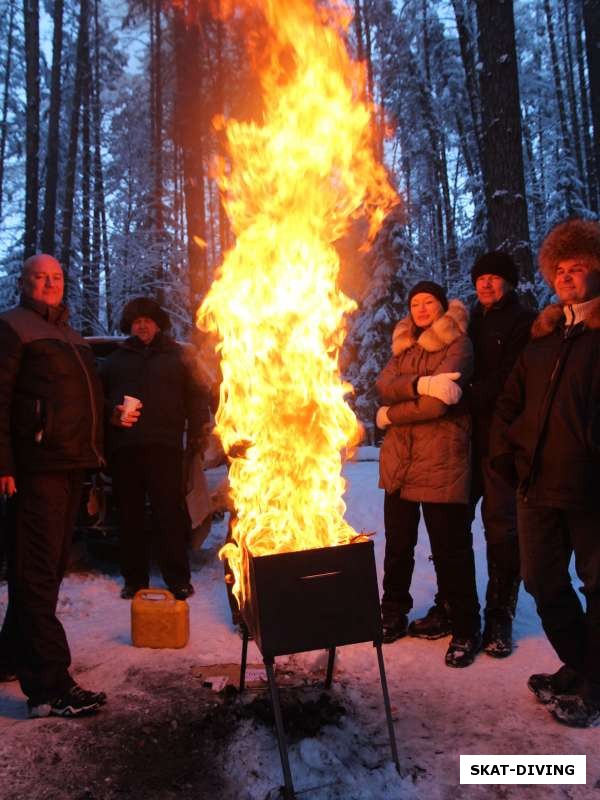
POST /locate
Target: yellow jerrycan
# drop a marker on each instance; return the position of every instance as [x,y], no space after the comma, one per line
[159,620]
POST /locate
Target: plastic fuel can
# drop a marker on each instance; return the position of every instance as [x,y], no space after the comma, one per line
[159,620]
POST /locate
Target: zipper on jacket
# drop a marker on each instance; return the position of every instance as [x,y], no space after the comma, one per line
[101,461]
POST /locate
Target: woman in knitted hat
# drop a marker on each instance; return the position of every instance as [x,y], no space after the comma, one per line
[425,464]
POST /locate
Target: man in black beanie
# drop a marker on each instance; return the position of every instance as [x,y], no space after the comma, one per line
[499,329]
[145,446]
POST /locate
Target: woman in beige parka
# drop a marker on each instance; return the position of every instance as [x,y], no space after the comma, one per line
[425,464]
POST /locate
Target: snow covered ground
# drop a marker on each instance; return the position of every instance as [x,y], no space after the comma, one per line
[439,713]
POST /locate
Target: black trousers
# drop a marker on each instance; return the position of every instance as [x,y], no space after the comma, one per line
[155,471]
[548,537]
[499,517]
[32,640]
[452,551]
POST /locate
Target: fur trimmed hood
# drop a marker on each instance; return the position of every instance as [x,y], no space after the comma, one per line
[452,324]
[549,319]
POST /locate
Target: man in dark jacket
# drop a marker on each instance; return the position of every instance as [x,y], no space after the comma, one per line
[50,432]
[546,435]
[145,449]
[499,329]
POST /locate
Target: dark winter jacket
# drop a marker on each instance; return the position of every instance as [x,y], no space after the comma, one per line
[162,376]
[498,335]
[546,429]
[426,451]
[50,394]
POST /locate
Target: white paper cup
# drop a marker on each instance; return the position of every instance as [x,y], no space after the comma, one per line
[129,404]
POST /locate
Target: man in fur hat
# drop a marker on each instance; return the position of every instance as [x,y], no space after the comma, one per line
[145,446]
[546,436]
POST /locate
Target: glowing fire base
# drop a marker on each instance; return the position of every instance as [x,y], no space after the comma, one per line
[311,600]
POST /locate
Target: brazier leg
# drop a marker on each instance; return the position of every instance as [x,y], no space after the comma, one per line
[330,664]
[244,657]
[388,708]
[288,790]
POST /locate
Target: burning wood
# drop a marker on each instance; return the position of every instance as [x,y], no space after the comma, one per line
[292,185]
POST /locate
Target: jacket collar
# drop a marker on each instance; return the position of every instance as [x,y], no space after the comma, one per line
[440,334]
[553,316]
[55,314]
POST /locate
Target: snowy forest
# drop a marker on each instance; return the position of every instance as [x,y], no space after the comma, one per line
[488,121]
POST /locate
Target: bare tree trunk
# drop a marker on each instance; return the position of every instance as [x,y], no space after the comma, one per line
[100,237]
[560,100]
[69,197]
[502,164]
[5,95]
[467,52]
[86,174]
[189,131]
[570,80]
[31,17]
[591,169]
[49,231]
[591,20]
[157,143]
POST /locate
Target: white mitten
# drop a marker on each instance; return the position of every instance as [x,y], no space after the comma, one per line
[382,419]
[442,386]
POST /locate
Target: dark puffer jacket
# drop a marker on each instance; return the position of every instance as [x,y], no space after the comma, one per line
[547,422]
[50,394]
[162,376]
[498,335]
[426,451]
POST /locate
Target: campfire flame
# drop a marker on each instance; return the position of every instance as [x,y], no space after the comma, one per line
[292,185]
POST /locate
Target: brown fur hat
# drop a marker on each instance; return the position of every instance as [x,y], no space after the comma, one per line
[569,239]
[144,307]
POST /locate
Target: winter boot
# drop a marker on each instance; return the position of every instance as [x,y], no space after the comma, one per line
[497,635]
[435,624]
[501,598]
[394,621]
[575,711]
[547,686]
[462,650]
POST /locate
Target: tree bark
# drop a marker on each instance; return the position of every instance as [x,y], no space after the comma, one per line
[5,95]
[49,230]
[31,17]
[69,198]
[502,162]
[100,253]
[591,169]
[591,21]
[189,131]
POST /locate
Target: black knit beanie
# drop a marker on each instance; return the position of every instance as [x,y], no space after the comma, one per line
[430,288]
[496,263]
[144,307]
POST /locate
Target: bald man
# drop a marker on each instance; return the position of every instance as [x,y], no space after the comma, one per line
[50,433]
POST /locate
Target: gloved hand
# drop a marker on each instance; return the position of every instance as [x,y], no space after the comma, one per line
[442,386]
[382,420]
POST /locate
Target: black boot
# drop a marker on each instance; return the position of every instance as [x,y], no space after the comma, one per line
[462,650]
[394,621]
[497,635]
[435,624]
[547,686]
[501,597]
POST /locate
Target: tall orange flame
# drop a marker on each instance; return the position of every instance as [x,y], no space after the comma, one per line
[296,180]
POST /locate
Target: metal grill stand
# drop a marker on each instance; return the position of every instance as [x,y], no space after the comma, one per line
[310,600]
